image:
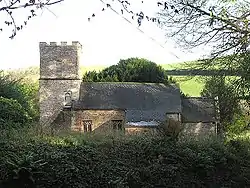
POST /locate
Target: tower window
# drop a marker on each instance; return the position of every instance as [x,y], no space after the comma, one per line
[67,98]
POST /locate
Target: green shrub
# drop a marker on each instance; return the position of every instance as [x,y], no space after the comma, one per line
[12,111]
[170,128]
[24,92]
[80,160]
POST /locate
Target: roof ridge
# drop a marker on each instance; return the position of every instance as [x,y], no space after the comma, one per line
[127,83]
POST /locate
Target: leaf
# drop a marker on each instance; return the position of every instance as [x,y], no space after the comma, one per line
[159,4]
[32,1]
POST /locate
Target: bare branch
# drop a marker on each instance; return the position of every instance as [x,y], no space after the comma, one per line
[14,5]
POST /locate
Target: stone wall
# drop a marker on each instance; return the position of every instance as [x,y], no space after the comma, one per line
[186,129]
[101,119]
[199,128]
[60,61]
[134,130]
[174,116]
[63,121]
[59,73]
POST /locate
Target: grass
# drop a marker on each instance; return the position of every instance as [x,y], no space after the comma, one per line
[191,86]
[83,160]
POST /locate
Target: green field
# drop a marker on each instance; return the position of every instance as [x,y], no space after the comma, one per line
[191,86]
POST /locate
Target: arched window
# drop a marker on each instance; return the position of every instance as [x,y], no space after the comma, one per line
[67,98]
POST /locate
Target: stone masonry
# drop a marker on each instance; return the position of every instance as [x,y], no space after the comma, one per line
[59,74]
[102,119]
[66,102]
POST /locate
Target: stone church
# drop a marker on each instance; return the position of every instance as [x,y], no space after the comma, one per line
[67,102]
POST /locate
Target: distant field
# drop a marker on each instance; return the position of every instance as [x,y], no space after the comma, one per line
[191,86]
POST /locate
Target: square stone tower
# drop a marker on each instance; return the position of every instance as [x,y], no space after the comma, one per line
[60,79]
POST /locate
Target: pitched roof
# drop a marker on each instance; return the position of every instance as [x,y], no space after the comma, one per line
[198,109]
[141,101]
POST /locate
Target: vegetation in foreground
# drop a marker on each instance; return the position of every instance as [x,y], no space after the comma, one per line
[82,160]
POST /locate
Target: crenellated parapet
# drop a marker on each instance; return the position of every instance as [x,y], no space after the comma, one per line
[62,43]
[60,60]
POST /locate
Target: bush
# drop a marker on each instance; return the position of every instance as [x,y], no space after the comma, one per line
[12,111]
[81,160]
[170,128]
[24,92]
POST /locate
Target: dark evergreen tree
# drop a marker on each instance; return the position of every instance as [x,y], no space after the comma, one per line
[129,70]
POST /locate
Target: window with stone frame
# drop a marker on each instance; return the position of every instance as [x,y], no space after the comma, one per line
[67,98]
[87,125]
[117,124]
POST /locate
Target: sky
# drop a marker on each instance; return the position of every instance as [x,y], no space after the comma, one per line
[106,39]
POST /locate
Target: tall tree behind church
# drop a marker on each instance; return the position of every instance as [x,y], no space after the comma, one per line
[129,70]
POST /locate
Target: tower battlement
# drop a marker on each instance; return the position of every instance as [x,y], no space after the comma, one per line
[60,60]
[62,43]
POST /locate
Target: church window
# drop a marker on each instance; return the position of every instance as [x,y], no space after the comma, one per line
[67,98]
[117,124]
[87,125]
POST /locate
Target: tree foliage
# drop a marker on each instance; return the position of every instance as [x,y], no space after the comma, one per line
[10,7]
[18,97]
[221,27]
[128,10]
[129,70]
[12,111]
[228,101]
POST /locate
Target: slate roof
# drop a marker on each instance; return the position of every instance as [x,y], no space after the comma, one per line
[141,101]
[198,110]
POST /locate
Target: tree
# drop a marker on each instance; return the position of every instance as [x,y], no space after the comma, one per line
[12,112]
[23,93]
[129,70]
[221,26]
[224,25]
[32,6]
[228,101]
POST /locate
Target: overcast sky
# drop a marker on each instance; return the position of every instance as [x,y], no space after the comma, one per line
[105,39]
